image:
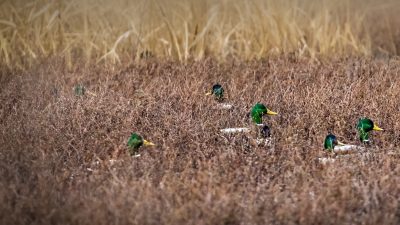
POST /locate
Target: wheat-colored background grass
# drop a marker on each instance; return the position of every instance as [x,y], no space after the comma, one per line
[99,31]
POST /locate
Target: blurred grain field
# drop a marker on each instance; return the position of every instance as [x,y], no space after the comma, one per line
[56,147]
[103,31]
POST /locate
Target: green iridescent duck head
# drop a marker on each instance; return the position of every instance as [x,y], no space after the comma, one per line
[364,126]
[330,142]
[218,92]
[135,142]
[258,111]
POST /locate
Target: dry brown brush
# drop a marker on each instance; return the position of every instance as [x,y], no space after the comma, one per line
[56,147]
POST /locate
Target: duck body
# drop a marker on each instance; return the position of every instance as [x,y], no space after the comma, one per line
[345,149]
[264,135]
[332,144]
[235,130]
[225,106]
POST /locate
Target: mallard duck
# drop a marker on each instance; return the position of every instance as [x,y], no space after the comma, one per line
[263,132]
[332,144]
[364,126]
[256,114]
[258,111]
[80,90]
[218,91]
[135,142]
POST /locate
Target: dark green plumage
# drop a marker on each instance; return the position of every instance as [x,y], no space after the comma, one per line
[135,142]
[364,126]
[217,91]
[258,111]
[330,142]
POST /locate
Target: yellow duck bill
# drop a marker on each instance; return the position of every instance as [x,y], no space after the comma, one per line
[269,112]
[148,143]
[377,128]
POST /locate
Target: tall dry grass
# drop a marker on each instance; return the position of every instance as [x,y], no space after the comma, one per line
[100,30]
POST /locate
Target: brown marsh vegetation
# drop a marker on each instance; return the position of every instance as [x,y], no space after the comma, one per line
[56,146]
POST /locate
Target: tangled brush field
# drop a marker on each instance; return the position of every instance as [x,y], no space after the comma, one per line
[56,147]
